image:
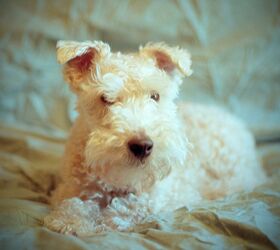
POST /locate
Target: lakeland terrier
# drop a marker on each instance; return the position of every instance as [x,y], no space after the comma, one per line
[133,150]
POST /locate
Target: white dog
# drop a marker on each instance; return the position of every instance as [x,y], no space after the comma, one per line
[133,150]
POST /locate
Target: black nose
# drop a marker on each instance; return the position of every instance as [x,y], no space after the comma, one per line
[141,147]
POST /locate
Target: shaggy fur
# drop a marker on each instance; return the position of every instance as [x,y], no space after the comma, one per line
[198,152]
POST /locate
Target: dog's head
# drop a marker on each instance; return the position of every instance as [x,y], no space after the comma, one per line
[127,103]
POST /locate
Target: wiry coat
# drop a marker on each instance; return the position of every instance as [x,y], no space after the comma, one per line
[198,152]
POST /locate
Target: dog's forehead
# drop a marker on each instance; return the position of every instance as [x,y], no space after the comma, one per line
[131,65]
[130,73]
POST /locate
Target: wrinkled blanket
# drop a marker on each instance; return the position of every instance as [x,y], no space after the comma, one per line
[236,58]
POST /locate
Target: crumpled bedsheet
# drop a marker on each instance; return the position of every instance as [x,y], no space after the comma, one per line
[28,166]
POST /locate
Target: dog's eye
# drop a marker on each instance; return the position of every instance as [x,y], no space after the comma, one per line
[105,100]
[155,96]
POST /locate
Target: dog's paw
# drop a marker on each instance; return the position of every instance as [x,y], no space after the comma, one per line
[83,218]
[58,225]
[74,216]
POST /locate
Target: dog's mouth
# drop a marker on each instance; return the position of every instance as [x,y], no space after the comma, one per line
[138,163]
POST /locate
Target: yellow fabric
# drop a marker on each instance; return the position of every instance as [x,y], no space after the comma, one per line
[236,58]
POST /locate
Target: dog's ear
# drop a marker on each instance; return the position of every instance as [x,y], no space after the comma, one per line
[173,60]
[80,60]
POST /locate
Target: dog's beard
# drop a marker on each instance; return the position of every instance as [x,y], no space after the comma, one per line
[108,156]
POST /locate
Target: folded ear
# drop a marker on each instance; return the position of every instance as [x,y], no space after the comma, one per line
[173,60]
[80,60]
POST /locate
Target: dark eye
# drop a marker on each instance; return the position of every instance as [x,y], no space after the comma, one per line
[155,96]
[105,100]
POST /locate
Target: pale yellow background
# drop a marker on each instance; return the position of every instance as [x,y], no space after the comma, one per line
[235,47]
